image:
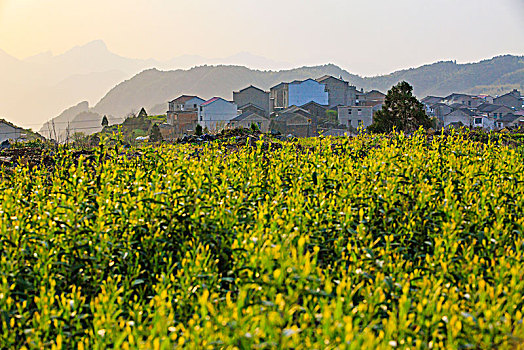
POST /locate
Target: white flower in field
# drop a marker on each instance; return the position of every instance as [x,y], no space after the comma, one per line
[393,343]
[248,335]
[445,319]
[131,323]
[101,332]
[467,296]
[72,303]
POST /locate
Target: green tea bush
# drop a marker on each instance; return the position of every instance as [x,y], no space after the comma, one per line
[370,242]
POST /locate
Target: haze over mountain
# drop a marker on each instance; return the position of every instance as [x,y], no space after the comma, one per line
[39,87]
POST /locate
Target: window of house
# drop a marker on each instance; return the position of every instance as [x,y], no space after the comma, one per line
[349,111]
[469,103]
[195,106]
[478,121]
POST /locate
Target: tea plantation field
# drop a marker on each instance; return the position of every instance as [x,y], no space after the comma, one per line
[366,243]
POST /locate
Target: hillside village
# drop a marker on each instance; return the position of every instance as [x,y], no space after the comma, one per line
[305,108]
[301,108]
[329,106]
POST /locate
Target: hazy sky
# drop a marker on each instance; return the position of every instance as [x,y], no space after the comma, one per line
[365,37]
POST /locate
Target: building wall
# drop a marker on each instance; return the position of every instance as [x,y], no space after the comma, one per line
[262,122]
[189,105]
[252,109]
[254,96]
[340,93]
[458,117]
[182,122]
[307,91]
[7,132]
[499,112]
[217,115]
[279,96]
[355,116]
[315,110]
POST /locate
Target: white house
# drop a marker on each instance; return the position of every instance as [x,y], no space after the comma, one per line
[216,113]
[298,93]
[9,132]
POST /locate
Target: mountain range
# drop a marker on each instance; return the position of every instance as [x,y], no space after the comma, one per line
[38,88]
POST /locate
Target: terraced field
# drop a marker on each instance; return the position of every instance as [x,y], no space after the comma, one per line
[370,242]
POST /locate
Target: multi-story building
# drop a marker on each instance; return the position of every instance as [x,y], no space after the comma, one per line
[182,115]
[216,113]
[252,96]
[298,93]
[354,117]
[340,93]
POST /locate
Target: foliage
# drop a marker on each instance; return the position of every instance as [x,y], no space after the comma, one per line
[254,127]
[80,140]
[372,242]
[332,115]
[198,130]
[155,135]
[401,111]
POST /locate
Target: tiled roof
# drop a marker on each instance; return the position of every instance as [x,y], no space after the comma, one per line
[208,102]
[245,115]
[183,99]
[251,87]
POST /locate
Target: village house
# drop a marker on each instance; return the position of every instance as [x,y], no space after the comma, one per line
[354,117]
[439,110]
[295,123]
[470,101]
[293,109]
[512,99]
[431,100]
[246,119]
[298,92]
[371,98]
[182,114]
[493,111]
[9,132]
[216,113]
[467,118]
[252,95]
[315,109]
[251,108]
[185,103]
[339,91]
[509,120]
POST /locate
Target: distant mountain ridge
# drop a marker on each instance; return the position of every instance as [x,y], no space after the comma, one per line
[50,83]
[153,88]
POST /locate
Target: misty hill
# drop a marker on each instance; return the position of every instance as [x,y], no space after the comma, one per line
[153,88]
[492,76]
[50,83]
